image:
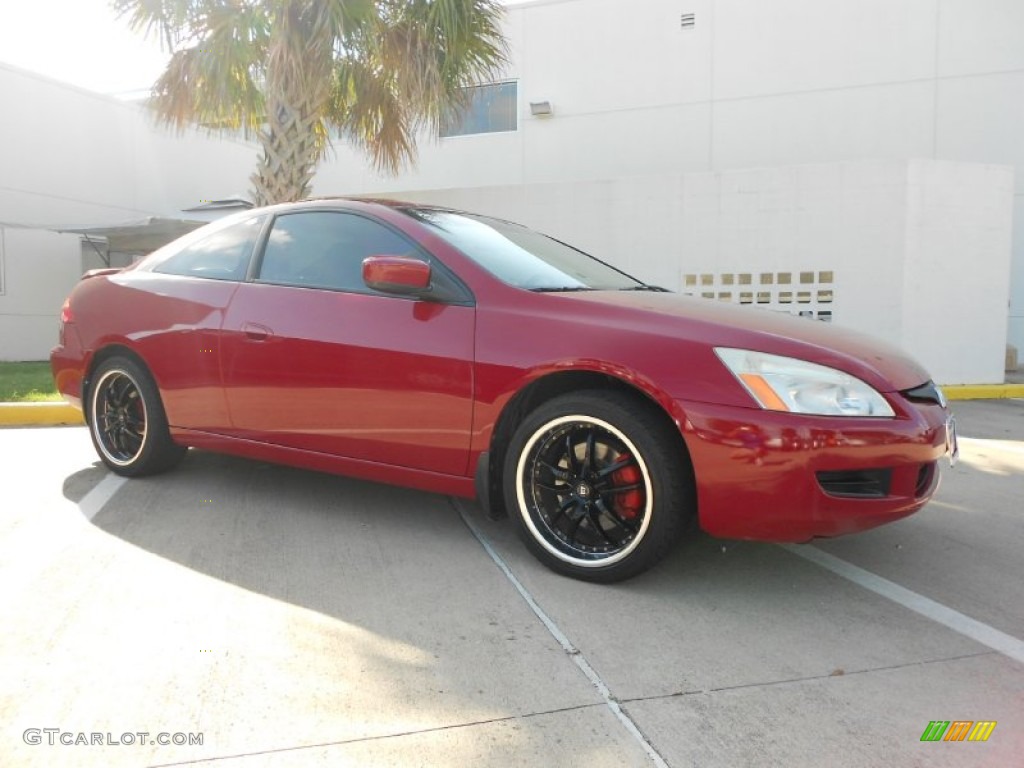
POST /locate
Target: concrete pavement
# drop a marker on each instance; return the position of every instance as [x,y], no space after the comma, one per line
[299,619]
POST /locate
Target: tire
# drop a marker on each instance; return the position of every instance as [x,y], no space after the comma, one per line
[127,421]
[598,484]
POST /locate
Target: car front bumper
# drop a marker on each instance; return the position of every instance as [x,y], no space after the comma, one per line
[786,477]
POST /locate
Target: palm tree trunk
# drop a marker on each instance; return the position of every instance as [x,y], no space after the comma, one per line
[297,90]
[290,152]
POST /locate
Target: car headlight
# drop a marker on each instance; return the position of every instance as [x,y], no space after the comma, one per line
[787,384]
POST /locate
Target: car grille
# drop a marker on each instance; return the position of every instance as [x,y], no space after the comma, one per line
[926,393]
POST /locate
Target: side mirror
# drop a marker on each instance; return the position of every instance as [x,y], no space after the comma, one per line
[396,274]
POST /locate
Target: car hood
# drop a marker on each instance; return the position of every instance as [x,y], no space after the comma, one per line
[714,323]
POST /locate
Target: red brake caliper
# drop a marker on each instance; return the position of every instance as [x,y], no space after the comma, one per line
[628,503]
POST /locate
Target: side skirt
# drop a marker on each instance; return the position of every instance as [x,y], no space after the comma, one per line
[434,482]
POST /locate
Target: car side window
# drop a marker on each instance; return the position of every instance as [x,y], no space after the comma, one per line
[322,249]
[222,255]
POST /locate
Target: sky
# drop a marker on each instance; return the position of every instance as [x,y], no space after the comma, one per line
[82,43]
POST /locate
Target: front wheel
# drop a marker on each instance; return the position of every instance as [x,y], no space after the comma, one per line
[127,421]
[600,485]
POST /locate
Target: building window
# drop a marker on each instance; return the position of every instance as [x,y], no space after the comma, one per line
[492,108]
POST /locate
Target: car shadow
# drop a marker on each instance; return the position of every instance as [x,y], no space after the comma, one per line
[363,610]
[288,533]
[325,542]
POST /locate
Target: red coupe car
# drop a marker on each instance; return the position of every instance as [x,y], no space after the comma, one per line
[471,356]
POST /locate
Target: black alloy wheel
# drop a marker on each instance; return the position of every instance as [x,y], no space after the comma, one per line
[599,485]
[127,421]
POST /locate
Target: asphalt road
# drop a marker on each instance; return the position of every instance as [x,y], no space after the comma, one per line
[297,619]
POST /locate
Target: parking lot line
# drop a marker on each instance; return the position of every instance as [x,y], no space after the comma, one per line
[983,633]
[573,652]
[96,499]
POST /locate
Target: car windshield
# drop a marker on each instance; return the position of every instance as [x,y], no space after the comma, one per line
[521,257]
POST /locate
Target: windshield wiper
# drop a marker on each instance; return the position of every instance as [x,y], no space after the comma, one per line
[563,289]
[655,288]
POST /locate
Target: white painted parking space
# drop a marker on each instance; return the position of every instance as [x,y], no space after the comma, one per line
[958,622]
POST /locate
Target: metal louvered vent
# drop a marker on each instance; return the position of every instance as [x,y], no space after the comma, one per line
[687,21]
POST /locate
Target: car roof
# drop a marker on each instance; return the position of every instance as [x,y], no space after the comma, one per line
[359,201]
[367,203]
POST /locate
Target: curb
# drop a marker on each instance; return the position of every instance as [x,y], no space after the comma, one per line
[982,391]
[38,414]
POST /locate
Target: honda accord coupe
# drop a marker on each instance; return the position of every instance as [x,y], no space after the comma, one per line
[470,356]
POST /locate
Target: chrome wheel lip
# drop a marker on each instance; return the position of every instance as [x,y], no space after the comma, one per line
[524,506]
[103,441]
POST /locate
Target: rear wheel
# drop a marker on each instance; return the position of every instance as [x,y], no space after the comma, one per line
[599,485]
[127,421]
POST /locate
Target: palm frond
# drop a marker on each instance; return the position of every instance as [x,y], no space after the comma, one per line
[438,48]
[218,81]
[368,111]
[172,22]
[290,71]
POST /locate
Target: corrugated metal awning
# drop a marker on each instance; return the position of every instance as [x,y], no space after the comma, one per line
[142,236]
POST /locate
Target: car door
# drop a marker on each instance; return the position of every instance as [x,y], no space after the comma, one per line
[316,360]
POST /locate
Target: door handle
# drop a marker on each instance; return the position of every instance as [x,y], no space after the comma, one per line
[256,332]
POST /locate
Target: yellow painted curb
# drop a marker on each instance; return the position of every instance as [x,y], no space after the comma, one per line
[982,391]
[38,414]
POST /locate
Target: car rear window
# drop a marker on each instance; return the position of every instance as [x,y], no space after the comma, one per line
[220,255]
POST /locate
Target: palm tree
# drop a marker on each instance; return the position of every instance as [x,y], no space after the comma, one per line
[291,72]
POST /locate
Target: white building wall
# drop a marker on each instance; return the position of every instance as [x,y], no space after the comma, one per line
[72,158]
[752,84]
[915,252]
[38,270]
[955,262]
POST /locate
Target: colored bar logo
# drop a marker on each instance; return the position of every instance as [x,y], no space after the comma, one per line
[958,730]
